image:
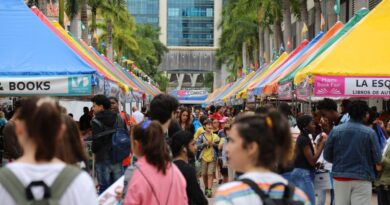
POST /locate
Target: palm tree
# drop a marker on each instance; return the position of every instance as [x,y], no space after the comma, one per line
[72,10]
[286,12]
[332,17]
[95,5]
[304,14]
[114,12]
[317,10]
[84,20]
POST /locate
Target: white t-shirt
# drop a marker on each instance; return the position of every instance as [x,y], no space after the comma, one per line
[138,116]
[81,191]
[237,193]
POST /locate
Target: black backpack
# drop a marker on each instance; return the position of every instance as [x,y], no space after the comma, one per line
[288,195]
[120,139]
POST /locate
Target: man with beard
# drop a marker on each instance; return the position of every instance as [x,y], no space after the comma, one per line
[183,148]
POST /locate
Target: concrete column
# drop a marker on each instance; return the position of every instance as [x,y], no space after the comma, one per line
[194,77]
[217,21]
[163,20]
[180,78]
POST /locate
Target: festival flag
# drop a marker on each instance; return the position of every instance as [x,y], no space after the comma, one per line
[322,22]
[304,29]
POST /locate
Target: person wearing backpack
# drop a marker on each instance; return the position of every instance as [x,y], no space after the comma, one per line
[257,144]
[38,177]
[153,179]
[105,125]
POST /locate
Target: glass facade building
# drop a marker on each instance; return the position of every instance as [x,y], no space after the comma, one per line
[144,11]
[190,23]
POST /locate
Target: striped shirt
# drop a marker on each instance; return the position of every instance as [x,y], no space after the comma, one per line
[238,193]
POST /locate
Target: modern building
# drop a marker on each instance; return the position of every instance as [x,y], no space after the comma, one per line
[190,31]
[145,11]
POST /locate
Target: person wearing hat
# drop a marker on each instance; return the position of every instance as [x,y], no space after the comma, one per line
[306,156]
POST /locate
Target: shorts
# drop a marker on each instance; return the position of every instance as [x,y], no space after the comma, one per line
[208,168]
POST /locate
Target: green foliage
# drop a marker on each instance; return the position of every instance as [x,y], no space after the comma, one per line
[209,80]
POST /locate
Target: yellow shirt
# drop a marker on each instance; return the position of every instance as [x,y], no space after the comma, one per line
[198,132]
[208,151]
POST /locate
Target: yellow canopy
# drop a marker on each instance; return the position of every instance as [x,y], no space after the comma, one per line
[234,90]
[243,92]
[364,51]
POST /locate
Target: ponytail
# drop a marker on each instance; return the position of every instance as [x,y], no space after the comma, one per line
[272,135]
[43,121]
[154,146]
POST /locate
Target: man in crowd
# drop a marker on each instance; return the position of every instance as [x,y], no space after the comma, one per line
[183,149]
[353,149]
[107,170]
[162,109]
[328,109]
[85,120]
[138,116]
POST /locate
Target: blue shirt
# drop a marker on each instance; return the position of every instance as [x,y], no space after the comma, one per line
[353,148]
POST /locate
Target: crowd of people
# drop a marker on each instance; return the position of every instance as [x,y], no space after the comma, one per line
[172,154]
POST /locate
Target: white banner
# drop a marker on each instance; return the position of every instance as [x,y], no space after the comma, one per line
[59,85]
[367,86]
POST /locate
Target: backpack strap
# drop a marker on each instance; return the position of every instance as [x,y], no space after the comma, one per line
[107,130]
[255,187]
[289,190]
[63,181]
[13,186]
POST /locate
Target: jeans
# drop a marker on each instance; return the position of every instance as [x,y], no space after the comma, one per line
[287,176]
[321,197]
[304,179]
[107,173]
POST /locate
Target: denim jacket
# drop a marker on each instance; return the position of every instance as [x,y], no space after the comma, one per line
[353,148]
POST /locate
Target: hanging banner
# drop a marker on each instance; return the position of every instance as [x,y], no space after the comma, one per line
[302,90]
[190,96]
[285,91]
[368,87]
[54,86]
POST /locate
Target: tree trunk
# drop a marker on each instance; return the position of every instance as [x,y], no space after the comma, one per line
[93,27]
[110,53]
[74,28]
[304,16]
[267,46]
[42,5]
[317,10]
[287,23]
[278,34]
[84,21]
[244,56]
[332,17]
[261,45]
[61,10]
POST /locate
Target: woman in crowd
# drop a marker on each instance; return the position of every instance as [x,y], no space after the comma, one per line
[38,127]
[306,156]
[383,182]
[256,145]
[186,122]
[153,179]
[70,149]
[223,168]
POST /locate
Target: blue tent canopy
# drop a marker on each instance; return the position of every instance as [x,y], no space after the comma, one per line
[29,48]
[34,61]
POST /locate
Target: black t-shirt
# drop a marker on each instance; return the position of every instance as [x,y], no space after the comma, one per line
[300,160]
[194,193]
